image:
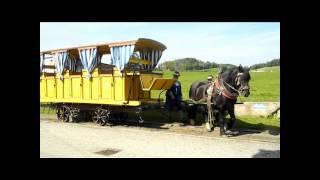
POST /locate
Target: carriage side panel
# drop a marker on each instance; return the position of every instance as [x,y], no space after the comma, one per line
[60,89]
[107,88]
[101,89]
[51,87]
[76,87]
[66,89]
[42,88]
[86,89]
[119,88]
[132,87]
[95,88]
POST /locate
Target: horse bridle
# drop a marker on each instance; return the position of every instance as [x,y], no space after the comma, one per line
[238,83]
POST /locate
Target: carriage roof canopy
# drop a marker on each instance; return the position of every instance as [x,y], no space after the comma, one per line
[104,48]
[121,52]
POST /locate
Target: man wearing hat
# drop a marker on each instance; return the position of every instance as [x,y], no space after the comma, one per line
[210,85]
[174,95]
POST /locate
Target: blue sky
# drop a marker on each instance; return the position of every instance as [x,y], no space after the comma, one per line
[232,43]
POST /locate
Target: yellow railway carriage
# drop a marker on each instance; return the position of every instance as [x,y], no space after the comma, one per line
[101,79]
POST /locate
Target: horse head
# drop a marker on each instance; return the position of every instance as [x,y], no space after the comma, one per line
[242,81]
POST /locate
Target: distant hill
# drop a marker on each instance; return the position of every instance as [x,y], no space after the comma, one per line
[268,69]
[274,62]
[189,64]
[193,64]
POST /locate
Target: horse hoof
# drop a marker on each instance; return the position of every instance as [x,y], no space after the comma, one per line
[232,133]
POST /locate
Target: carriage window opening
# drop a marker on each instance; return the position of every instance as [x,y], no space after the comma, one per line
[48,65]
[132,64]
[74,64]
[78,68]
[105,66]
[106,59]
[135,55]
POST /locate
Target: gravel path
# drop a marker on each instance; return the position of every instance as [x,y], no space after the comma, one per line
[59,139]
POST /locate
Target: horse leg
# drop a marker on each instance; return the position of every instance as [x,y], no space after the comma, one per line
[222,124]
[192,113]
[233,117]
[216,119]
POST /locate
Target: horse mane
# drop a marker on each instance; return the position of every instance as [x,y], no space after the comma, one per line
[229,72]
[232,72]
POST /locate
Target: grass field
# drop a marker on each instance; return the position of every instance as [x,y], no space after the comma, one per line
[259,123]
[265,86]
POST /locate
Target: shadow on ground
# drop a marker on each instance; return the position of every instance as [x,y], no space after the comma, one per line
[160,118]
[272,130]
[267,154]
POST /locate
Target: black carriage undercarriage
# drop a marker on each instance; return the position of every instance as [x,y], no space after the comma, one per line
[99,114]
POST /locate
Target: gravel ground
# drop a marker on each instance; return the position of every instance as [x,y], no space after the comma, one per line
[59,139]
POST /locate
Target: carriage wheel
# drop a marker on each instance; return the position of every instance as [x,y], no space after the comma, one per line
[101,116]
[71,118]
[63,113]
[74,115]
[59,114]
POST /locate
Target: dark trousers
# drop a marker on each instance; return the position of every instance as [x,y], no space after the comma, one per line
[172,104]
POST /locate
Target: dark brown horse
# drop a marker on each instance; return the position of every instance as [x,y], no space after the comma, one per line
[197,90]
[229,85]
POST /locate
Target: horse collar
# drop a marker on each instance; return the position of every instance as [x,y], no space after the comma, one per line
[222,90]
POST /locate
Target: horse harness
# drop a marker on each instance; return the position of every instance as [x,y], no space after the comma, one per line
[219,89]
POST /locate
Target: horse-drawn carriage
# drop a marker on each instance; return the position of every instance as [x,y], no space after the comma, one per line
[80,83]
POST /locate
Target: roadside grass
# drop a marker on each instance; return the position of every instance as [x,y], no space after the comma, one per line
[259,123]
[45,109]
